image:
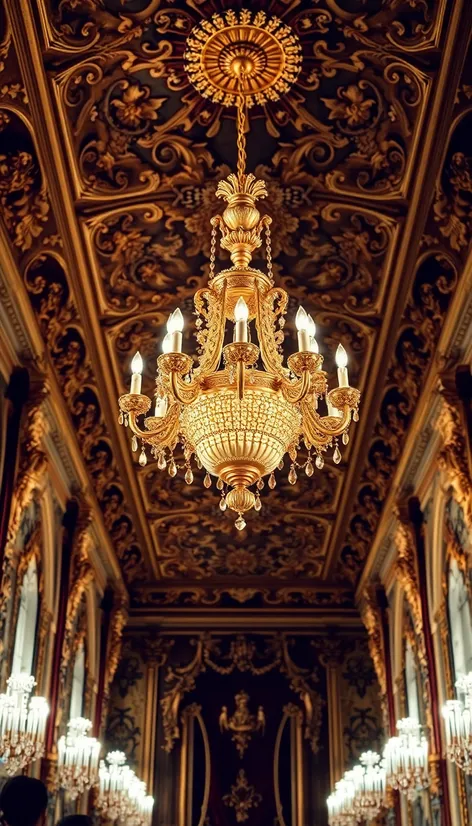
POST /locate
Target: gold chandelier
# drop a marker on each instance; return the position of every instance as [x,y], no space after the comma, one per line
[238,410]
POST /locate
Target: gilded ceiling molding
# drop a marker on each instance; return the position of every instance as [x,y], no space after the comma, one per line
[118,621]
[452,457]
[33,461]
[407,576]
[82,574]
[372,619]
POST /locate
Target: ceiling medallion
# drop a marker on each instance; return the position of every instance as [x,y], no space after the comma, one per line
[232,45]
[240,410]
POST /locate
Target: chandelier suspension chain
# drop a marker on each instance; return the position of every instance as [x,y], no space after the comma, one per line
[241,136]
[213,240]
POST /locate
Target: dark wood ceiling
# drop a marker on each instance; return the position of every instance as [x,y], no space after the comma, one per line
[108,167]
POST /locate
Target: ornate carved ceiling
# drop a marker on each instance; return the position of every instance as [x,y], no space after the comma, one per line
[109,162]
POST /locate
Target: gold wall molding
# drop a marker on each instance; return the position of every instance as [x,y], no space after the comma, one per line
[452,457]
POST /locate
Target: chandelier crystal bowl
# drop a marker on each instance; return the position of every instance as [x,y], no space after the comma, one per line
[238,409]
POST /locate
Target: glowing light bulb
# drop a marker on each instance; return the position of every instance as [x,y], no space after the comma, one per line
[241,311]
[312,333]
[166,343]
[341,356]
[301,319]
[137,369]
[341,362]
[137,363]
[175,325]
[302,325]
[241,315]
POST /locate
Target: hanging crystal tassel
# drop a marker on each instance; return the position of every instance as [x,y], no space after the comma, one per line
[189,476]
[240,523]
[260,484]
[309,469]
[134,444]
[280,466]
[272,481]
[355,416]
[142,458]
[337,455]
[223,504]
[292,476]
[220,484]
[319,462]
[207,480]
[199,464]
[161,462]
[345,438]
[172,468]
[257,503]
[121,418]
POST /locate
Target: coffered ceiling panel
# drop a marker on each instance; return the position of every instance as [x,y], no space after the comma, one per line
[133,163]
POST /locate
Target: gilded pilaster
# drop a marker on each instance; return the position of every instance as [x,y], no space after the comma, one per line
[452,457]
[156,650]
[371,617]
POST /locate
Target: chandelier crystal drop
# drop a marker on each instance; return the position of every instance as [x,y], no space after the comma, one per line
[458,722]
[238,409]
[406,758]
[78,756]
[22,723]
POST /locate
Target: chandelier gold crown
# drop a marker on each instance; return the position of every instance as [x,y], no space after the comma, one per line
[239,410]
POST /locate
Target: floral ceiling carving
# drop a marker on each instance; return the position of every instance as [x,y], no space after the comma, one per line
[340,154]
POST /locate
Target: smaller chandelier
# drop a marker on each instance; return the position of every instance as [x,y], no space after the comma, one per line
[370,785]
[340,803]
[141,804]
[22,723]
[114,779]
[78,756]
[458,719]
[122,796]
[406,758]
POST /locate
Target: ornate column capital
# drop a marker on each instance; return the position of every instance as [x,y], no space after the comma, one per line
[156,650]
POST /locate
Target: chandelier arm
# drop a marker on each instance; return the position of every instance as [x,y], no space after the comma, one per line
[295,392]
[160,431]
[265,317]
[321,430]
[183,392]
[211,356]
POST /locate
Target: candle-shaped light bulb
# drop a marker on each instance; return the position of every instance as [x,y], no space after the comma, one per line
[136,369]
[302,323]
[241,315]
[166,343]
[161,407]
[312,333]
[175,325]
[341,362]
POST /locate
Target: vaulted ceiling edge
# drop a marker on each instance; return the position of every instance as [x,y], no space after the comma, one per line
[108,172]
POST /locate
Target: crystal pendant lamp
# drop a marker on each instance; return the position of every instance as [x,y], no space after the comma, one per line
[22,723]
[458,722]
[237,409]
[77,759]
[406,758]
